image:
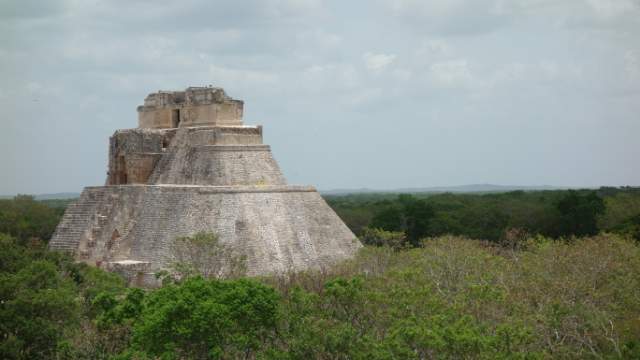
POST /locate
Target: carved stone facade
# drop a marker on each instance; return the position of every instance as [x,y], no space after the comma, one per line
[192,166]
[196,106]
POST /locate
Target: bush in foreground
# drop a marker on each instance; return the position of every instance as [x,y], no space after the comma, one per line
[451,298]
[456,298]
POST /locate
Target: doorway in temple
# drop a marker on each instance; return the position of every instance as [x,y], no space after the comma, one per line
[175,118]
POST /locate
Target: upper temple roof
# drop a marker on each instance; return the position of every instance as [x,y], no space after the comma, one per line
[195,106]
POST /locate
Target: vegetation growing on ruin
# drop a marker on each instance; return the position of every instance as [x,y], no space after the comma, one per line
[203,254]
[529,289]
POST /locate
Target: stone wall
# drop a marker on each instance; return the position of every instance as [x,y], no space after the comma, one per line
[105,236]
[190,161]
[277,228]
[219,166]
[229,113]
[156,119]
[139,167]
[133,154]
[196,106]
[224,135]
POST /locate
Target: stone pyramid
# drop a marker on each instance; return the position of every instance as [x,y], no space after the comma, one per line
[192,166]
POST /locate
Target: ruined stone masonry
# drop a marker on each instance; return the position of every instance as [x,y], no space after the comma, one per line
[190,166]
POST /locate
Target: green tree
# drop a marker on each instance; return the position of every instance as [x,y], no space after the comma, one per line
[389,218]
[206,319]
[46,302]
[631,227]
[579,213]
[38,304]
[26,219]
[418,214]
[409,215]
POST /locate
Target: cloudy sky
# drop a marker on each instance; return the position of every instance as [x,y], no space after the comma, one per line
[377,93]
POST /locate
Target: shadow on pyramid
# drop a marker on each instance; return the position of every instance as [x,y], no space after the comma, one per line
[192,166]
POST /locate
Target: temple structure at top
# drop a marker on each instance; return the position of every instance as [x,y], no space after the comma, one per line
[210,122]
[196,106]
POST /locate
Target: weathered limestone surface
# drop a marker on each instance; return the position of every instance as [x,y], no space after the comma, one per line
[196,106]
[133,154]
[204,156]
[163,183]
[279,228]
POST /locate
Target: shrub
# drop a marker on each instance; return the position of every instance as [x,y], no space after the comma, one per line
[378,237]
[203,255]
[38,304]
[200,319]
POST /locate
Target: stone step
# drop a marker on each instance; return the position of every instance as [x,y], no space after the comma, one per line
[89,212]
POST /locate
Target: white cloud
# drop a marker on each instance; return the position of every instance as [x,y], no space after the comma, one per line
[310,65]
[512,72]
[297,6]
[29,9]
[549,74]
[430,51]
[436,47]
[632,63]
[364,96]
[241,77]
[402,75]
[450,16]
[434,8]
[550,69]
[319,38]
[332,78]
[452,73]
[474,17]
[377,62]
[613,8]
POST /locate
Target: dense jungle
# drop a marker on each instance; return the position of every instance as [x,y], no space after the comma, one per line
[529,275]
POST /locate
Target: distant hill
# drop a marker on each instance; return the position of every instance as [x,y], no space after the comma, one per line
[55,196]
[474,188]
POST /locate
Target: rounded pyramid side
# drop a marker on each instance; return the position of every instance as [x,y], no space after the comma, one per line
[205,156]
[277,228]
